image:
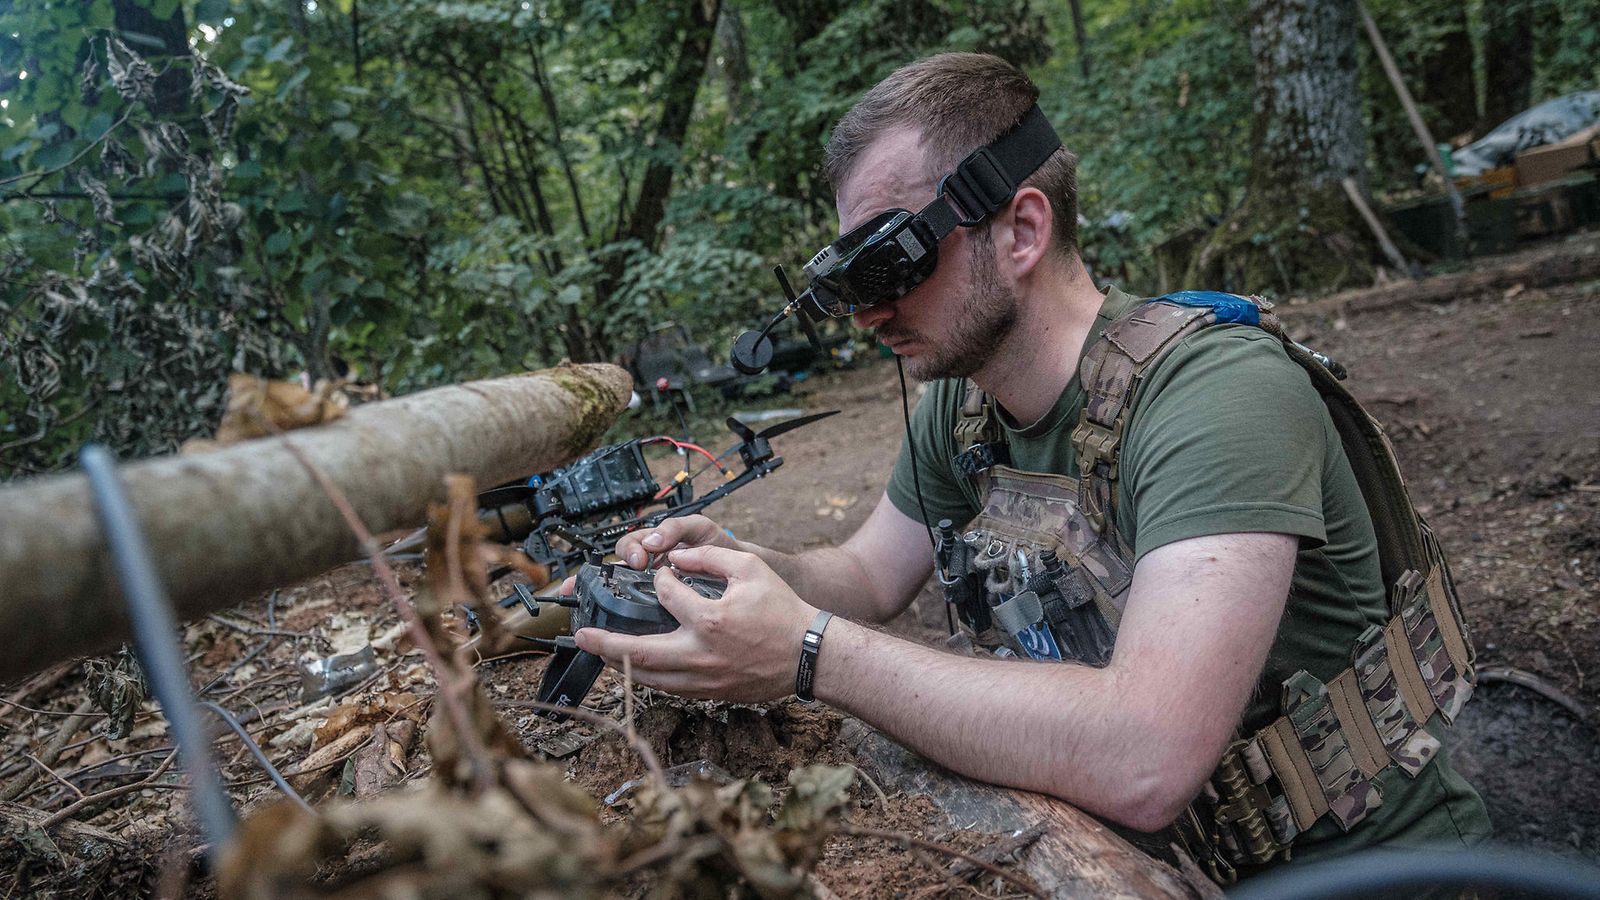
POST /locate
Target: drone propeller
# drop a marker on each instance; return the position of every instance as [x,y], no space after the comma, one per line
[745,434]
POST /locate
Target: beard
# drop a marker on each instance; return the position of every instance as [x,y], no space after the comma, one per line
[985,320]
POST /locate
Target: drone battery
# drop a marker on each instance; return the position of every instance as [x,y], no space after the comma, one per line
[605,480]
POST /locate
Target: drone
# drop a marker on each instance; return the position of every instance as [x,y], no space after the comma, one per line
[577,513]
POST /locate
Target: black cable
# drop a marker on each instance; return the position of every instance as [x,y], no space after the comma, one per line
[916,481]
[255,750]
[1391,872]
[155,640]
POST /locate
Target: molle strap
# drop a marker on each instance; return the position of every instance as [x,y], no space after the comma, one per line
[1413,690]
[1448,688]
[1110,374]
[1281,747]
[1349,795]
[1441,591]
[1344,694]
[1402,735]
[1110,370]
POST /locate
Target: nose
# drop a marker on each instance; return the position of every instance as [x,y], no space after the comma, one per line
[873,316]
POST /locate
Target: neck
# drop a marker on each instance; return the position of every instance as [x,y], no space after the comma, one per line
[1028,373]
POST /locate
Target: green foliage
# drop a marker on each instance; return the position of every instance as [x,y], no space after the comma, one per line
[421,191]
[1161,126]
[431,191]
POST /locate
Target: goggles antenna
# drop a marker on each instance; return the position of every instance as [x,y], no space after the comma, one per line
[752,350]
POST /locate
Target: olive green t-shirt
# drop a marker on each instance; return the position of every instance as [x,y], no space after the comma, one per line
[1228,435]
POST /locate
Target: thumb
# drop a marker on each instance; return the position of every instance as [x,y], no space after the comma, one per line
[677,598]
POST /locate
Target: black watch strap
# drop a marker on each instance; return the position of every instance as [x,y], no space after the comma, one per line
[806,675]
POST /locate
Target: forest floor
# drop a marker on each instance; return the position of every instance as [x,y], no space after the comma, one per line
[1490,399]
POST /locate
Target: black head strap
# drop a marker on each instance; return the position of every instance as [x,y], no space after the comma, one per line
[988,178]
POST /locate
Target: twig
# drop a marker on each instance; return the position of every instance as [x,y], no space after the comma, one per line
[593,718]
[627,695]
[1026,884]
[883,799]
[1003,847]
[51,712]
[53,774]
[44,681]
[1536,684]
[254,631]
[46,173]
[52,752]
[472,744]
[272,624]
[62,815]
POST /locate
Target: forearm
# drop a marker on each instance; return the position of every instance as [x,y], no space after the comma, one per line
[830,578]
[1070,731]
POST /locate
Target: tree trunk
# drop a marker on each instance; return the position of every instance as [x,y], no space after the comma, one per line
[1444,72]
[1082,36]
[226,525]
[172,87]
[1295,229]
[1508,60]
[677,108]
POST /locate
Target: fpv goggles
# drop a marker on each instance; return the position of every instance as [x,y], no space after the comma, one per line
[882,259]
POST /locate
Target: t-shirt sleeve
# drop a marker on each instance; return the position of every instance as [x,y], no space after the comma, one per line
[942,495]
[1228,435]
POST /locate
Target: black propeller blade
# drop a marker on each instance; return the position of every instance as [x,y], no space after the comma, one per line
[745,434]
[792,424]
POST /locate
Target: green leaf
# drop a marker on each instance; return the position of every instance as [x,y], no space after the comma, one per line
[294,201]
[278,243]
[16,150]
[346,130]
[250,168]
[279,50]
[55,155]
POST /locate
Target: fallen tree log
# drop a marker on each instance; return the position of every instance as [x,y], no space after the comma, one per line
[1075,856]
[1538,268]
[226,525]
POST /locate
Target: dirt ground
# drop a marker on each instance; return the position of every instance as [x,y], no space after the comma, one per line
[1490,400]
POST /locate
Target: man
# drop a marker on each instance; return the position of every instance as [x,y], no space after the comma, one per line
[1252,556]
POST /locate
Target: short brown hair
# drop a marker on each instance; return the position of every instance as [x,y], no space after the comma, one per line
[960,102]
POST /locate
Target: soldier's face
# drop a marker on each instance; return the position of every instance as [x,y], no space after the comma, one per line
[950,325]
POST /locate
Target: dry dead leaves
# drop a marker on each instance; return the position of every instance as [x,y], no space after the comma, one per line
[494,822]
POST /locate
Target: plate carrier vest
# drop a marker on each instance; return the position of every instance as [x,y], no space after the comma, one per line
[1047,549]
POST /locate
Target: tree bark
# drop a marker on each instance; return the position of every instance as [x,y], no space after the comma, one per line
[1076,856]
[677,109]
[1508,60]
[1295,228]
[226,525]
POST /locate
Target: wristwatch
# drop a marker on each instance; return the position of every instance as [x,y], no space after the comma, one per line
[806,675]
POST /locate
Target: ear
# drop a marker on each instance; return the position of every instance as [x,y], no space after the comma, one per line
[1030,223]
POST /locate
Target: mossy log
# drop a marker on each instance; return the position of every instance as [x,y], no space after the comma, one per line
[226,525]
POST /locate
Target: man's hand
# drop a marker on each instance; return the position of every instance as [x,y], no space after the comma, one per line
[743,646]
[636,547]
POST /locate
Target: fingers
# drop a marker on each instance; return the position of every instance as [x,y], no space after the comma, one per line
[635,548]
[684,602]
[658,652]
[569,586]
[719,562]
